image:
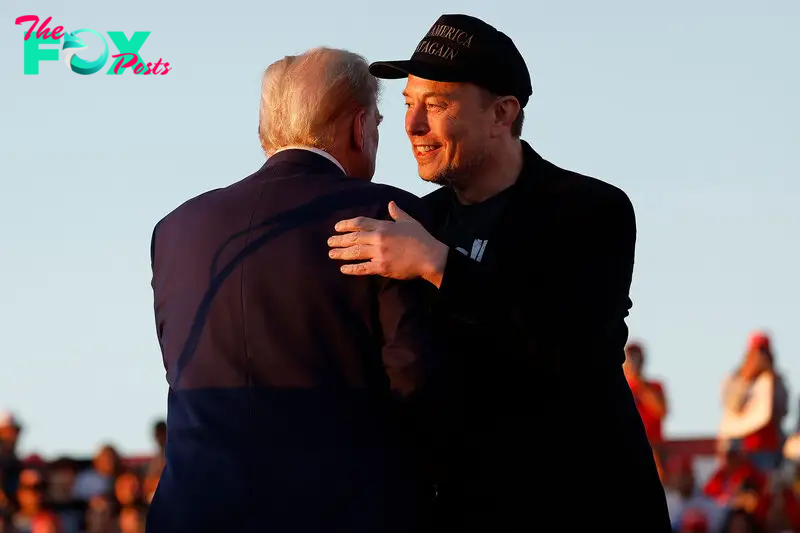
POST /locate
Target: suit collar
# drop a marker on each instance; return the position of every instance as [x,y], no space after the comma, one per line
[310,160]
[317,151]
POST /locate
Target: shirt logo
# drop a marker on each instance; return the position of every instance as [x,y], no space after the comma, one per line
[478,247]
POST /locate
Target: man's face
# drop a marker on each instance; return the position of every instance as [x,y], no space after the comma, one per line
[365,158]
[449,127]
[374,119]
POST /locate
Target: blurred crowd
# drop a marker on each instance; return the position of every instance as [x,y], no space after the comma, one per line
[105,494]
[755,484]
[754,487]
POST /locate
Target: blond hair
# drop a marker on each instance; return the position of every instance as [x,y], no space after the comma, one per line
[303,97]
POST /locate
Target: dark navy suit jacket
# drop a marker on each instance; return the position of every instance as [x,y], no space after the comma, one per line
[292,387]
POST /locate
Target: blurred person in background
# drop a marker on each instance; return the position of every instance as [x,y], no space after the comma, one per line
[779,507]
[101,515]
[795,481]
[128,489]
[132,520]
[650,398]
[292,403]
[149,487]
[6,507]
[755,401]
[99,479]
[155,466]
[740,521]
[695,521]
[61,475]
[46,522]
[30,499]
[749,499]
[10,464]
[791,450]
[734,470]
[160,436]
[686,499]
[156,463]
[770,508]
[791,454]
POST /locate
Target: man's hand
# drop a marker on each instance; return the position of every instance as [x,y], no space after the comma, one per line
[399,249]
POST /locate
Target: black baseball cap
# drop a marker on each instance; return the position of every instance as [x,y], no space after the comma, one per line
[461,48]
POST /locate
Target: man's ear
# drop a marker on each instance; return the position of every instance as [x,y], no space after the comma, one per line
[359,130]
[506,110]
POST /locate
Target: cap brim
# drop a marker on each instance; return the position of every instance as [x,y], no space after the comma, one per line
[395,70]
[391,70]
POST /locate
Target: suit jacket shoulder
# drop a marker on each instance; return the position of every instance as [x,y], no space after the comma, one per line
[409,202]
[587,195]
[176,212]
[390,192]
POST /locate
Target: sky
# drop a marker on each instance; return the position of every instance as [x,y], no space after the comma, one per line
[690,107]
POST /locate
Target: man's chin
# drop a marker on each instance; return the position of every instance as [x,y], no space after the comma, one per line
[437,178]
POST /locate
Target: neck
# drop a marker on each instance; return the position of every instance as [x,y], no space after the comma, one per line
[498,171]
[348,159]
[340,156]
[334,156]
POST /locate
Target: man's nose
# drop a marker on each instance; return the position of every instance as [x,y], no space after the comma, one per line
[417,122]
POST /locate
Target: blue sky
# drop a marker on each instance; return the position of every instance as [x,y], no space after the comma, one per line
[690,107]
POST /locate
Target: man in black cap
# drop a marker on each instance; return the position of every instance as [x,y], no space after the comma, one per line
[533,264]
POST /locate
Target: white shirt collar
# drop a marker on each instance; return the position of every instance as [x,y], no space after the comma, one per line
[317,151]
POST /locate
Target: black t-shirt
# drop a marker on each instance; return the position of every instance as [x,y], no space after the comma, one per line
[468,227]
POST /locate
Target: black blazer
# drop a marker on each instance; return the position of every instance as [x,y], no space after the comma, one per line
[290,384]
[538,415]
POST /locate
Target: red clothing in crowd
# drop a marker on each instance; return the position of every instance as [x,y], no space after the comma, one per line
[725,482]
[790,503]
[766,439]
[652,423]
